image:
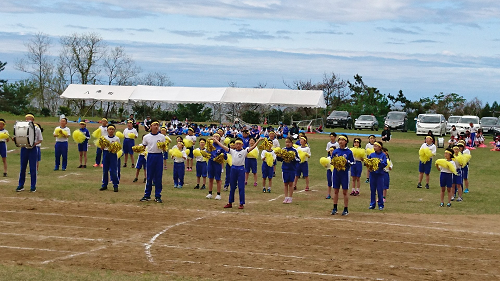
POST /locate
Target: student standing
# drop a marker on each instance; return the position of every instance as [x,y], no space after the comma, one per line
[341,175]
[214,169]
[192,138]
[465,169]
[3,145]
[30,155]
[377,177]
[61,133]
[179,167]
[369,148]
[130,134]
[267,171]
[110,161]
[83,147]
[357,167]
[425,168]
[201,165]
[303,167]
[251,164]
[330,147]
[288,169]
[104,132]
[446,177]
[154,163]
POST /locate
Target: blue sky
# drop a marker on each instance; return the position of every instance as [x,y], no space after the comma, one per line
[422,47]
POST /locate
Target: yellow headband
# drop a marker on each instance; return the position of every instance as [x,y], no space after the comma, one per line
[202,141]
[129,121]
[191,129]
[303,138]
[342,138]
[428,137]
[2,122]
[104,119]
[155,122]
[111,125]
[272,132]
[82,123]
[238,141]
[29,115]
[378,143]
[216,134]
[446,151]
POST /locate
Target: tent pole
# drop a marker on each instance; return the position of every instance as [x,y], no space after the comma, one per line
[92,106]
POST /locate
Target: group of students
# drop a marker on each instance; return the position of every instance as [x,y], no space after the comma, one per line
[209,155]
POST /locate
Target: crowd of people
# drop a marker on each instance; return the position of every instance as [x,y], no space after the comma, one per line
[211,150]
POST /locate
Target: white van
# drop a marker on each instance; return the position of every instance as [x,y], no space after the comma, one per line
[463,124]
[436,123]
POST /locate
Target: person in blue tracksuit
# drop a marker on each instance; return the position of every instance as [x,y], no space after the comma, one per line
[30,155]
[61,146]
[237,169]
[288,169]
[154,164]
[377,177]
[83,147]
[215,169]
[341,175]
[110,161]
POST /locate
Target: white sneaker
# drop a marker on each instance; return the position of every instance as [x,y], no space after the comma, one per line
[286,200]
[209,196]
[218,197]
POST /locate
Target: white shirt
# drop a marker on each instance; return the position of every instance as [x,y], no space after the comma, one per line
[386,169]
[1,132]
[276,143]
[104,130]
[263,154]
[368,146]
[329,145]
[127,131]
[432,147]
[62,139]
[111,140]
[150,142]
[306,150]
[38,135]
[238,156]
[201,158]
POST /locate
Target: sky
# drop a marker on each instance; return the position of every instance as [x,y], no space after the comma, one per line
[422,47]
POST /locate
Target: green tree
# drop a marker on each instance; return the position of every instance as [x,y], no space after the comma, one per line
[486,111]
[251,116]
[365,99]
[15,97]
[495,109]
[194,112]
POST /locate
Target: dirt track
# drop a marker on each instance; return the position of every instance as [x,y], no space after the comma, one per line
[232,245]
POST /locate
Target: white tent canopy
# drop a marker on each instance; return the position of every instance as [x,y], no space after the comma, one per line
[281,97]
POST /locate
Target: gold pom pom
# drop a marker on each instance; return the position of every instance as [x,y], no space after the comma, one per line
[266,145]
[138,148]
[78,136]
[97,133]
[372,163]
[114,147]
[425,154]
[103,142]
[210,146]
[339,162]
[205,154]
[219,158]
[162,146]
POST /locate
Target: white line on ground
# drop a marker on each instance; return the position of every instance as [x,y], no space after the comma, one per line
[54,237]
[69,174]
[74,255]
[147,246]
[34,249]
[73,216]
[53,225]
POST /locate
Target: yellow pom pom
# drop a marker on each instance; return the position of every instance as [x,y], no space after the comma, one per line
[229,160]
[446,164]
[269,159]
[227,141]
[358,153]
[295,145]
[188,143]
[97,133]
[188,151]
[120,135]
[339,163]
[78,136]
[302,155]
[266,144]
[162,146]
[119,154]
[168,140]
[425,154]
[175,152]
[369,151]
[96,142]
[4,136]
[253,154]
[197,153]
[57,132]
[325,161]
[138,148]
[131,135]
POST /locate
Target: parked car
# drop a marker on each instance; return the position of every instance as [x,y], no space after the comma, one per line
[436,123]
[340,119]
[452,120]
[366,122]
[488,124]
[397,120]
[464,123]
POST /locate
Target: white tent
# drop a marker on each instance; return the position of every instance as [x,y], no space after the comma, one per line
[281,97]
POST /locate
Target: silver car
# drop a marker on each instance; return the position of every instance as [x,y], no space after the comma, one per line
[366,122]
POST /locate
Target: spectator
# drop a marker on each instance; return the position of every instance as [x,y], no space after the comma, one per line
[386,134]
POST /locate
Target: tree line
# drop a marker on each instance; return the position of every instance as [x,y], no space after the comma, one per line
[87,59]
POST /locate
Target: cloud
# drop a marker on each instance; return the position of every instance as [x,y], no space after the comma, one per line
[396,30]
[245,33]
[76,26]
[189,33]
[424,41]
[331,32]
[20,25]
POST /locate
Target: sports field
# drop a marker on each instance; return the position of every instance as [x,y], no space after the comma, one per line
[69,230]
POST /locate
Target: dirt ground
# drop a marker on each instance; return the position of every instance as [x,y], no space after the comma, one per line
[147,237]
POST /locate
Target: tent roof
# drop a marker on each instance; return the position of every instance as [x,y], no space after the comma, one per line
[281,97]
[98,92]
